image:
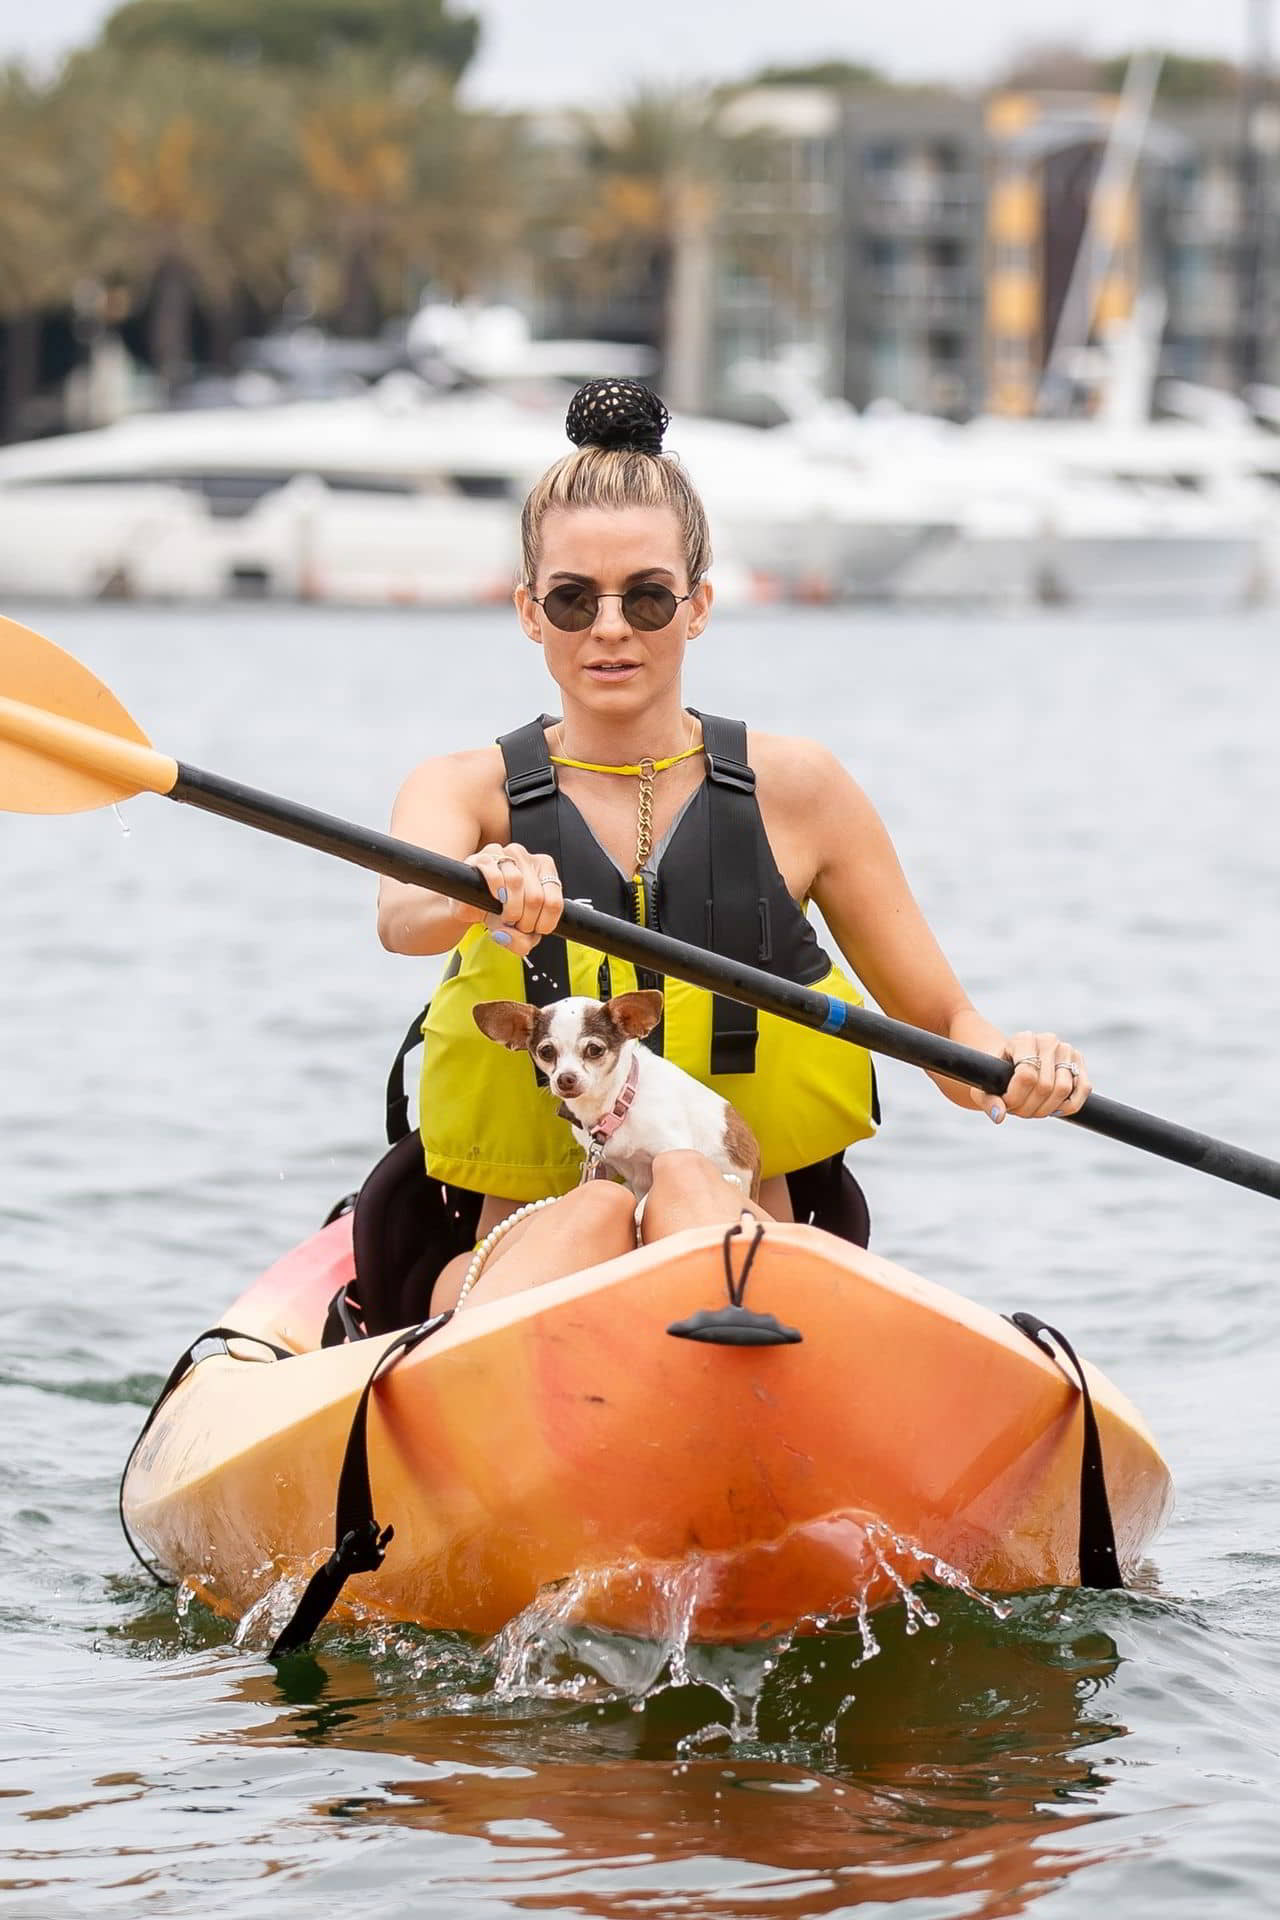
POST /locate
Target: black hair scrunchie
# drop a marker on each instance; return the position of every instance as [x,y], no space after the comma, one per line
[618,414]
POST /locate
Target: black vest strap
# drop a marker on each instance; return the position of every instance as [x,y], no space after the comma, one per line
[359,1543]
[736,911]
[535,814]
[397,1085]
[1099,1562]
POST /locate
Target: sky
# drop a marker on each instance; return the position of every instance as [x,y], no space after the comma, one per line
[546,52]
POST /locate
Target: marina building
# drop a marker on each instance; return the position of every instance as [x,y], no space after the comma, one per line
[917,246]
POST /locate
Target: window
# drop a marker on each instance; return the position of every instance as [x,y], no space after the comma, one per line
[946,348]
[878,250]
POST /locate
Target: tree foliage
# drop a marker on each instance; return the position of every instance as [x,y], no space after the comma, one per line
[298,33]
[1054,67]
[1183,78]
[398,187]
[845,76]
[37,255]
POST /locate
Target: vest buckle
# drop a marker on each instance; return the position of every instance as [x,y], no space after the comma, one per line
[730,773]
[536,783]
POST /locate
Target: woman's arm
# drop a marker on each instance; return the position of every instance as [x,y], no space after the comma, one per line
[859,885]
[453,806]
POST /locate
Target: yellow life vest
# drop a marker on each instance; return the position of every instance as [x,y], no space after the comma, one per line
[487,1122]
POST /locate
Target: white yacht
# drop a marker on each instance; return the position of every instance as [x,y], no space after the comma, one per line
[1003,512]
[354,499]
[399,494]
[1148,514]
[402,494]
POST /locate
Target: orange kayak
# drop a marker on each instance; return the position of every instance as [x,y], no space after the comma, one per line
[560,1435]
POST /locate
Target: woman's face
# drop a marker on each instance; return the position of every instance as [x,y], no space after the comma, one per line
[612,667]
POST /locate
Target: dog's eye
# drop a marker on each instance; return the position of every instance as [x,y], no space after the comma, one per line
[546,1052]
[593,1050]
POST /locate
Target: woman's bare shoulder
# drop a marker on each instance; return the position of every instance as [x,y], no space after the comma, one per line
[460,795]
[469,773]
[797,772]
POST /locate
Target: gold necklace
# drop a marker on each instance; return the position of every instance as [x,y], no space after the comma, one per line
[644,771]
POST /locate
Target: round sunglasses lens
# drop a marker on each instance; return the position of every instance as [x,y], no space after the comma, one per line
[649,608]
[570,609]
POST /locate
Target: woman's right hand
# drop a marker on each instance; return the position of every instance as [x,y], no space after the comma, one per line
[527,889]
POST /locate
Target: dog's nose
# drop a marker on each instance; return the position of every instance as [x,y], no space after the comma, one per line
[566,1084]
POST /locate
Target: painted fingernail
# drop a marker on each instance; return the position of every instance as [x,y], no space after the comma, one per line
[501,935]
[996,1112]
[502,895]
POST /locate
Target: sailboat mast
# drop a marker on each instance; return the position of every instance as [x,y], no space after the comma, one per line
[1097,242]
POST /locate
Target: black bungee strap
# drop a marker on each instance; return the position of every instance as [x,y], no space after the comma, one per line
[215,1338]
[360,1544]
[1099,1561]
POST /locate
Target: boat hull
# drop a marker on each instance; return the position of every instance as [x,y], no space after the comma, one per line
[561,1435]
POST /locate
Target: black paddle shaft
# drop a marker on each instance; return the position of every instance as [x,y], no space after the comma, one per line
[379,853]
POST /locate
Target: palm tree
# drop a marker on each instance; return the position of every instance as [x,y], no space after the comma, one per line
[354,145]
[37,258]
[468,230]
[651,183]
[182,172]
[402,186]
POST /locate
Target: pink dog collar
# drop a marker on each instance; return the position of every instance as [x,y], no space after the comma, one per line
[620,1108]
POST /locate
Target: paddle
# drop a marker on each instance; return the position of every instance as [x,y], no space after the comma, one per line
[67,746]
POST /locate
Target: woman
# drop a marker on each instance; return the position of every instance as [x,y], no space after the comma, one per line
[718,835]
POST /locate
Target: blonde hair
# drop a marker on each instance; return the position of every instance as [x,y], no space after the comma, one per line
[618,477]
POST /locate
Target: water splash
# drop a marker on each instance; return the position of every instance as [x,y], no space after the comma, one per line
[551,1652]
[547,1652]
[125,828]
[936,1569]
[258,1628]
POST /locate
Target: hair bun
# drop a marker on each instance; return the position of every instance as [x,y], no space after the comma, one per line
[620,414]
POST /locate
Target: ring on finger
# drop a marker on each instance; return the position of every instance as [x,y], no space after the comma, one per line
[505,860]
[1068,1066]
[1027,1060]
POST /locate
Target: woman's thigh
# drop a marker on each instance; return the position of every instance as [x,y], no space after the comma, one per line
[593,1223]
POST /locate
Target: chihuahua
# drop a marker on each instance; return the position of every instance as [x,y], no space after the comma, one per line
[624,1102]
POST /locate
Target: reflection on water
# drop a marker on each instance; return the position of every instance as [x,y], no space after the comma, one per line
[963,1764]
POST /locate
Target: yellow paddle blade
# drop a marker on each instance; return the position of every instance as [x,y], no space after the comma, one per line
[66,743]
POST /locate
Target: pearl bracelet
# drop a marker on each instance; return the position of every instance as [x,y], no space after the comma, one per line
[491,1239]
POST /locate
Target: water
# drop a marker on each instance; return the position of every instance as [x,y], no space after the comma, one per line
[194,1029]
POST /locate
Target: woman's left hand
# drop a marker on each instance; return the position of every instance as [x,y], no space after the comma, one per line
[1049,1077]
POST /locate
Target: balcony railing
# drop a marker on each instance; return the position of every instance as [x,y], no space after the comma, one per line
[941,295]
[908,207]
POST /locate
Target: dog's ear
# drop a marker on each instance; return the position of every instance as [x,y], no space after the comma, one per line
[509,1022]
[635,1014]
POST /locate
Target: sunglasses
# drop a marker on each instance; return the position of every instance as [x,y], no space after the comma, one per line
[645,608]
